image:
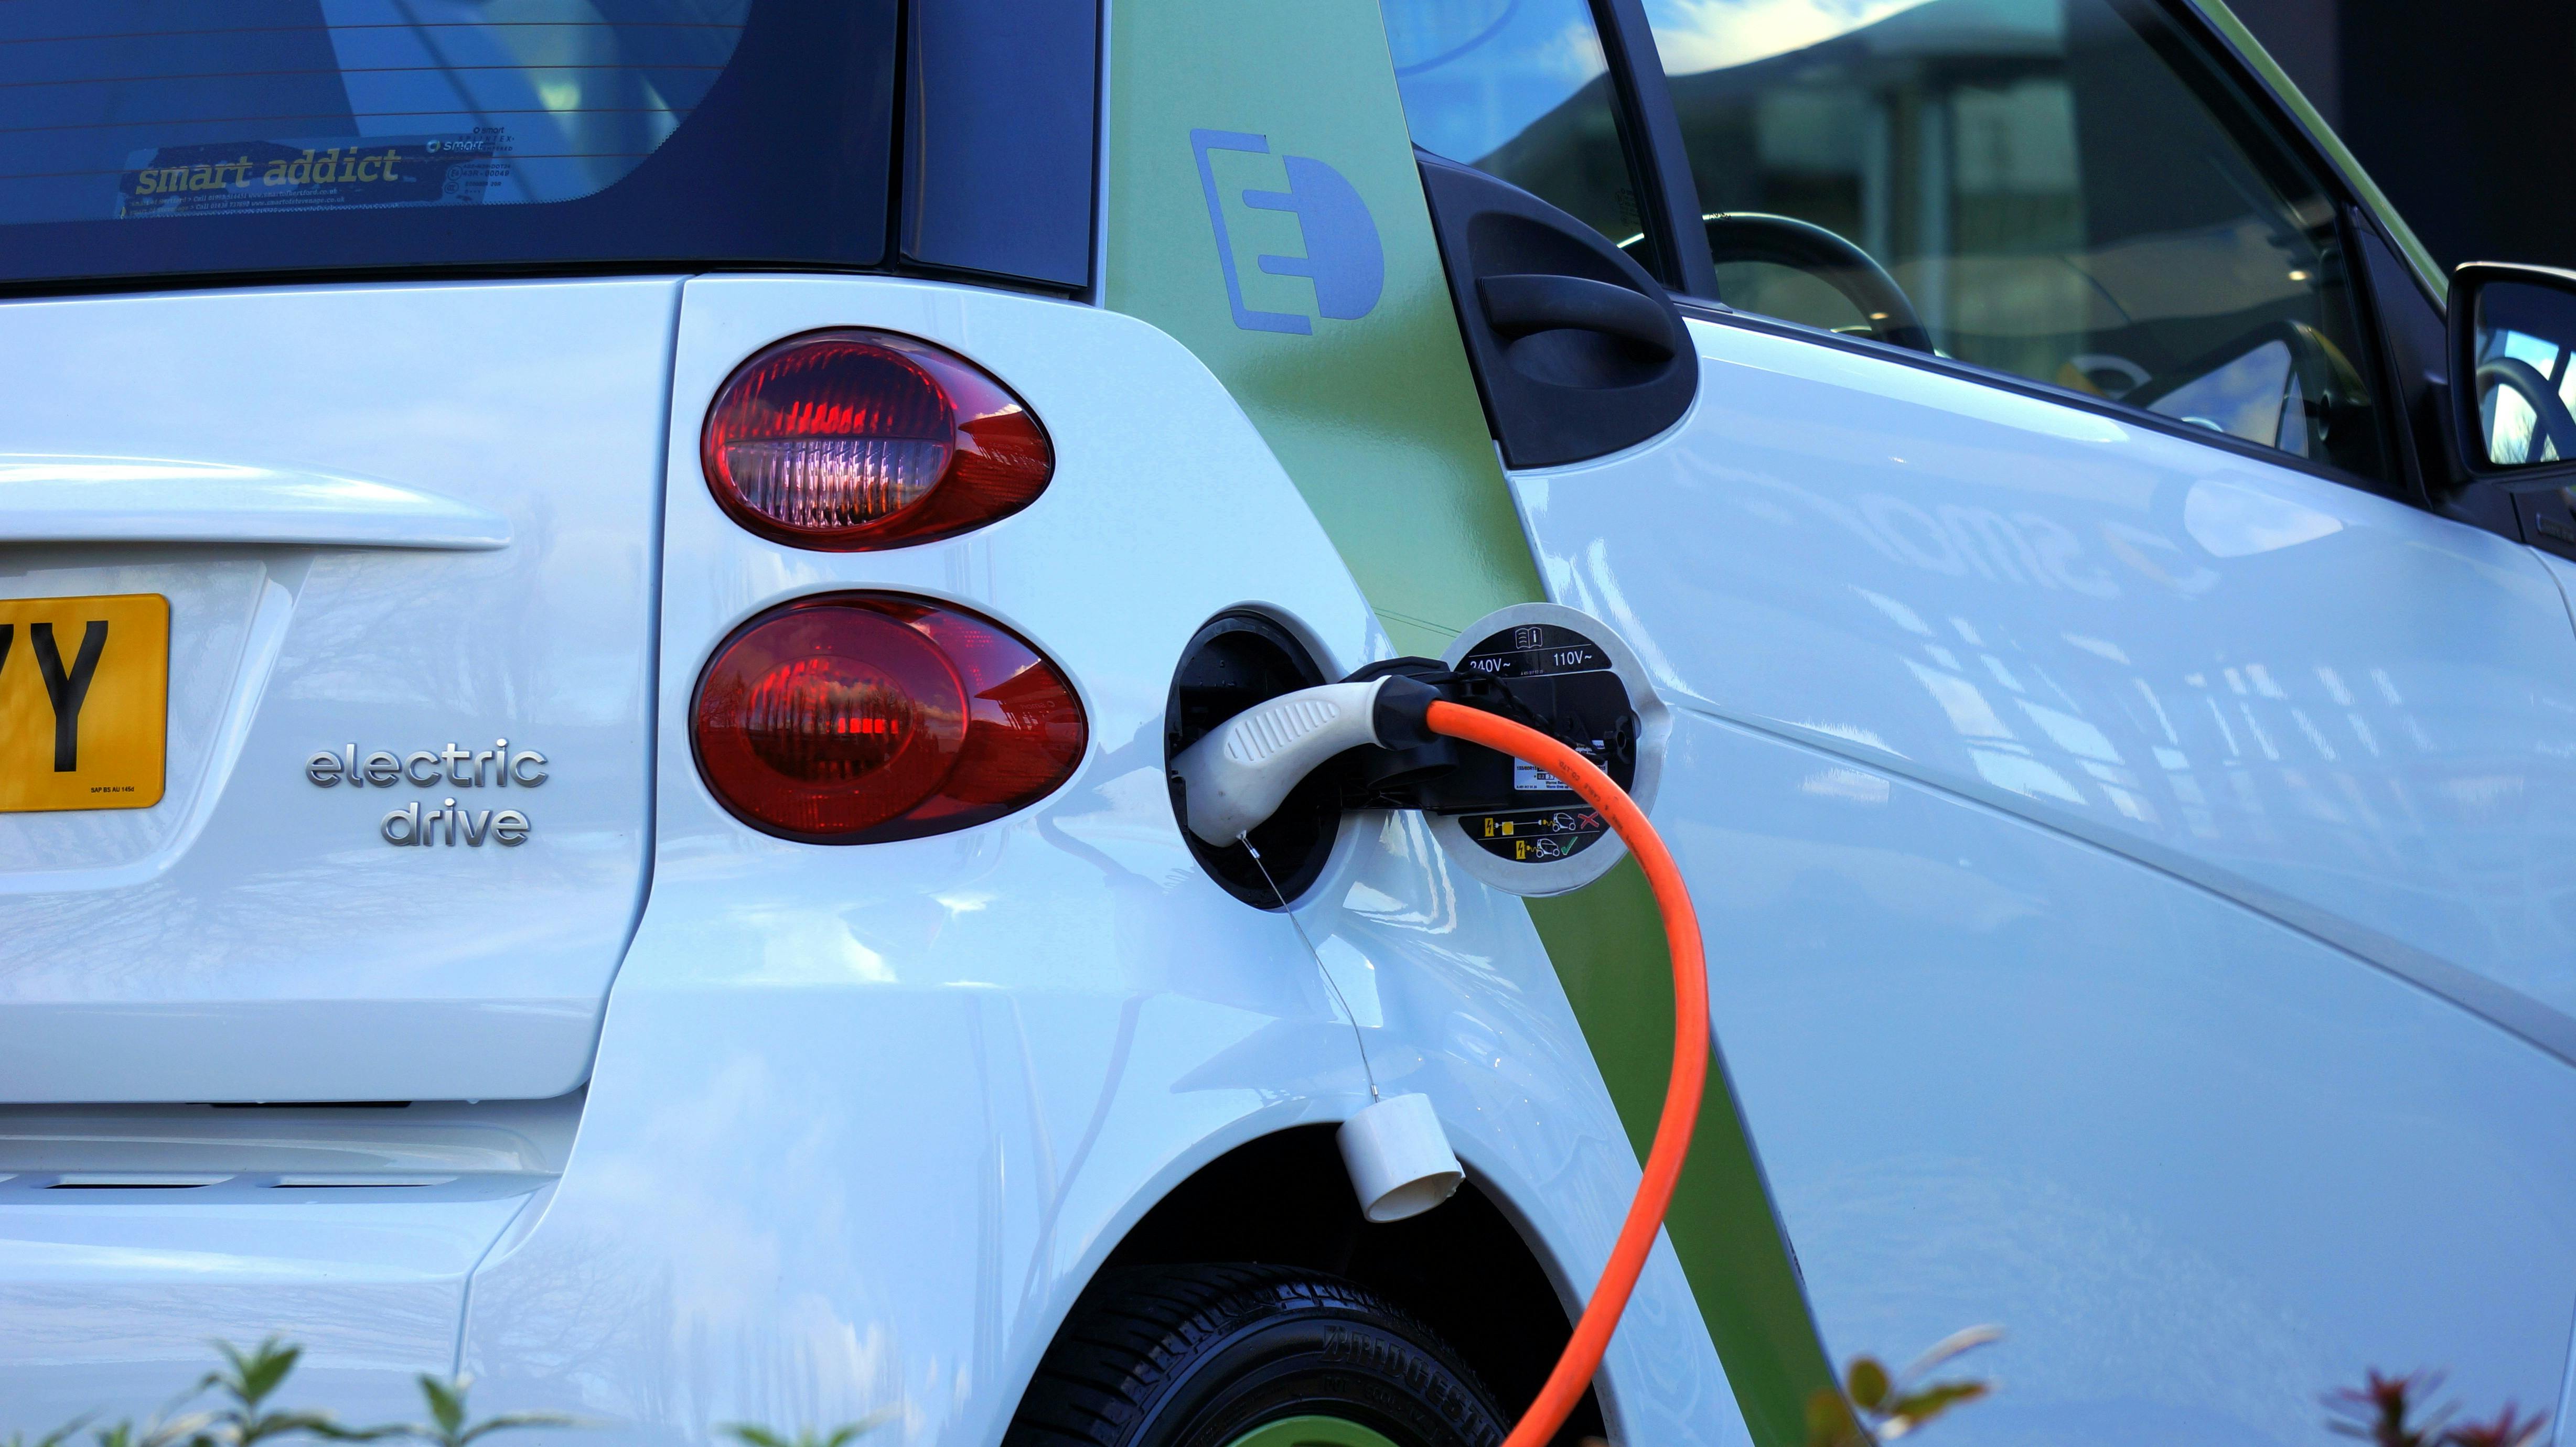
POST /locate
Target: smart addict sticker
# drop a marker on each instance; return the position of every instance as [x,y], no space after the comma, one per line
[327,174]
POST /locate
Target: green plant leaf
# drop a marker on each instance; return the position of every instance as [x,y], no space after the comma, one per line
[446,1404]
[510,1421]
[1829,1420]
[1916,1408]
[1867,1382]
[255,1373]
[753,1435]
[1957,1343]
[54,1438]
[156,1434]
[313,1424]
[321,1425]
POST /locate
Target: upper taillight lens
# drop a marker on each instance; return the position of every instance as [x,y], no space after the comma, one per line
[849,440]
[852,718]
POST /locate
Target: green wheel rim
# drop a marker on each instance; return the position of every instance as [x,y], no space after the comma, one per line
[1317,1431]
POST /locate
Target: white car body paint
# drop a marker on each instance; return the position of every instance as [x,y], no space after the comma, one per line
[149,500]
[251,937]
[861,1121]
[2140,884]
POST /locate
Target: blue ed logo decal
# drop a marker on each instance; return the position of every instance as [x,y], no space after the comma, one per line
[1343,258]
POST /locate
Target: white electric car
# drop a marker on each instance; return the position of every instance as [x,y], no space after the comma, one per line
[597,596]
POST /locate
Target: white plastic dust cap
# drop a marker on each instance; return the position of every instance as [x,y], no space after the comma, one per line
[1399,1158]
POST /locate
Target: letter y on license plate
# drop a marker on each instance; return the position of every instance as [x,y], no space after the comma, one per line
[84,701]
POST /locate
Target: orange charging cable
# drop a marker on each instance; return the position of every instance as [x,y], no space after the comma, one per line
[1690,1054]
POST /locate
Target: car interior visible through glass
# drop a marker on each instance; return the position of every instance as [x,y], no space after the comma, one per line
[308,135]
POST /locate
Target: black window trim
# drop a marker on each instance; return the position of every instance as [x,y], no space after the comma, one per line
[2285,122]
[1658,163]
[2416,419]
[428,273]
[2417,445]
[1645,110]
[2394,398]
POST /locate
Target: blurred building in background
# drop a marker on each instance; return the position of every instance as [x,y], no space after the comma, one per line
[2454,109]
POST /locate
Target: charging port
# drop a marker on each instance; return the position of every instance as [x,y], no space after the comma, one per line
[1236,661]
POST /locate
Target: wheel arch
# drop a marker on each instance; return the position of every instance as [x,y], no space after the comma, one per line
[1470,1268]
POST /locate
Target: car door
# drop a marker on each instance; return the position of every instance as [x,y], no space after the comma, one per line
[2135,832]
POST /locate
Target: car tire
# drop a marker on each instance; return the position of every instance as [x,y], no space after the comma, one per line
[1262,1356]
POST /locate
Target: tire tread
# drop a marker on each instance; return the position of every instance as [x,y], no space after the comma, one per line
[1135,1329]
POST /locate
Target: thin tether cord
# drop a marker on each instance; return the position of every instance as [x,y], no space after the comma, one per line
[1281,895]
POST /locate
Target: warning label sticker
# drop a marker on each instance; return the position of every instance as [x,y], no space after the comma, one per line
[1527,776]
[1535,836]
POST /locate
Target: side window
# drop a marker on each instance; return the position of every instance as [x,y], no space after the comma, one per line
[1517,89]
[2060,189]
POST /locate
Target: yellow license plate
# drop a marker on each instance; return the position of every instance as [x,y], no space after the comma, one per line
[84,701]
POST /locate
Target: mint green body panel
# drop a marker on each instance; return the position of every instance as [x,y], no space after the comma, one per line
[1378,422]
[1377,418]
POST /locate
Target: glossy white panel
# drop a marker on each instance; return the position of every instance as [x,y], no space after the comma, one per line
[2354,715]
[2200,1167]
[253,936]
[2563,573]
[157,500]
[2142,884]
[108,1297]
[505,1137]
[865,1119]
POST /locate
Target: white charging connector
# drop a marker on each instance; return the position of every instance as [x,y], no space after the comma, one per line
[1236,776]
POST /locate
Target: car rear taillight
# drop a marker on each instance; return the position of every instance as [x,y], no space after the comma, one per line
[849,440]
[852,718]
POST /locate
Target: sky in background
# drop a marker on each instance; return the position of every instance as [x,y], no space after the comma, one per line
[1697,35]
[1477,72]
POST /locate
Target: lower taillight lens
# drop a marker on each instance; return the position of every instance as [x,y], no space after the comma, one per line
[852,718]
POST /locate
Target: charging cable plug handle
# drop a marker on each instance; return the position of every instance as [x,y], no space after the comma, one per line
[1236,777]
[1401,714]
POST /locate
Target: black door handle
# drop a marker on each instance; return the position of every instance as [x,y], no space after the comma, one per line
[1538,302]
[1615,365]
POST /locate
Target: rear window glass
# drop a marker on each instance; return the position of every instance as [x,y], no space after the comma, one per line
[152,136]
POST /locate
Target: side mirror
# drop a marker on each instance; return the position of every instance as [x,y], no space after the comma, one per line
[2513,374]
